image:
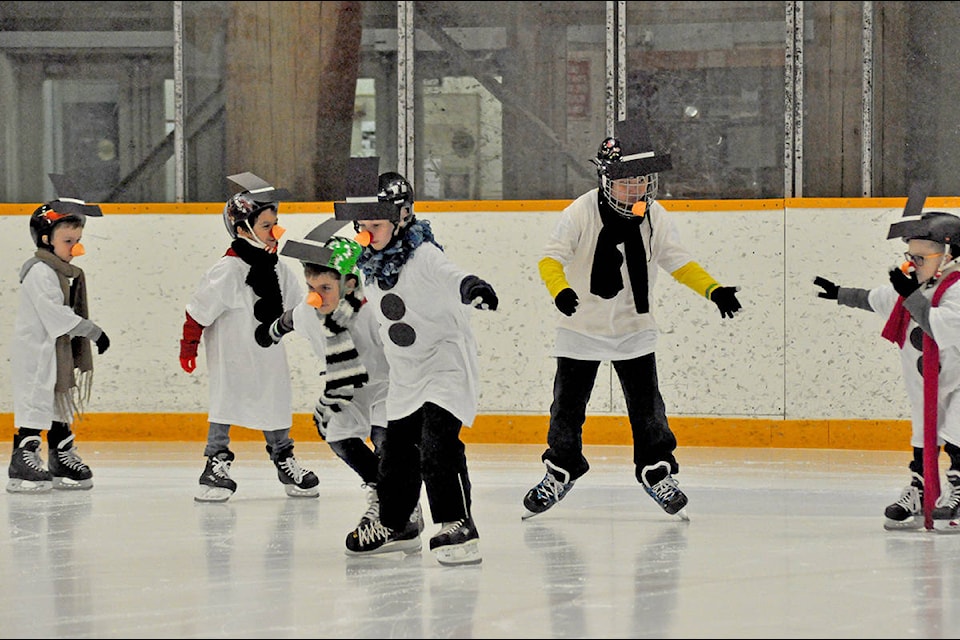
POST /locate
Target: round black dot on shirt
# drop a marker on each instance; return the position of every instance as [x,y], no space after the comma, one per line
[916,338]
[402,334]
[392,306]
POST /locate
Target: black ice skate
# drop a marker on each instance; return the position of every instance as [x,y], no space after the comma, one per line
[372,538]
[297,481]
[556,484]
[216,485]
[67,469]
[907,512]
[26,471]
[662,487]
[457,543]
[946,514]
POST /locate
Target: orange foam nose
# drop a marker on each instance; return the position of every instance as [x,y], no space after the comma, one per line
[364,238]
[314,299]
[77,250]
[907,267]
[639,208]
[277,231]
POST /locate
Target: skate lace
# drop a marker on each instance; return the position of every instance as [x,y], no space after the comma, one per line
[32,459]
[666,489]
[549,489]
[373,510]
[951,499]
[910,499]
[449,528]
[372,532]
[221,468]
[293,469]
[71,459]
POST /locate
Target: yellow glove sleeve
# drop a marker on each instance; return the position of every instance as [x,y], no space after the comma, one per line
[551,272]
[696,277]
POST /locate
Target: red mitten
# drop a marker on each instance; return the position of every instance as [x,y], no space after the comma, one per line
[192,330]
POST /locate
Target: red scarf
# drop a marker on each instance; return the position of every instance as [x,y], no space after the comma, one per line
[896,331]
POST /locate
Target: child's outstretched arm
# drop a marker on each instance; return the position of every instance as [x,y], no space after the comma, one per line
[268,335]
[846,296]
[697,278]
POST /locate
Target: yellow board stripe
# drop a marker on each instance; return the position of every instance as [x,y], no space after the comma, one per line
[878,435]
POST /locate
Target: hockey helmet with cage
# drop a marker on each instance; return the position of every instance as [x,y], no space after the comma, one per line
[63,209]
[628,156]
[243,208]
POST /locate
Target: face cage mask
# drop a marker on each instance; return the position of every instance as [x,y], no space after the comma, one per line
[635,191]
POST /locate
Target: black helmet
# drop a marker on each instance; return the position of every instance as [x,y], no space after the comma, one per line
[629,154]
[393,187]
[243,207]
[63,209]
[936,226]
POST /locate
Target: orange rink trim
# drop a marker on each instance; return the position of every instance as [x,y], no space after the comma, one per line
[874,435]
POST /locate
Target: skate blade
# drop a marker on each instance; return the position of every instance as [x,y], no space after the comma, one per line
[459,554]
[213,494]
[903,525]
[68,484]
[682,514]
[527,514]
[17,485]
[296,492]
[947,526]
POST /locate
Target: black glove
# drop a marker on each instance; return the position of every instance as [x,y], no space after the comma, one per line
[480,294]
[567,301]
[903,283]
[830,291]
[103,342]
[726,300]
[268,335]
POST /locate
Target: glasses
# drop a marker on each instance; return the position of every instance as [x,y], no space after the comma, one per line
[918,260]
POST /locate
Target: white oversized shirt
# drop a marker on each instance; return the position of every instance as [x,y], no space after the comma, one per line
[945,326]
[249,384]
[609,329]
[41,318]
[427,337]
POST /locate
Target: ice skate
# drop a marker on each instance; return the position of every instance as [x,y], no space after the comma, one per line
[26,471]
[216,485]
[372,538]
[907,512]
[556,484]
[457,543]
[297,481]
[946,514]
[660,485]
[67,469]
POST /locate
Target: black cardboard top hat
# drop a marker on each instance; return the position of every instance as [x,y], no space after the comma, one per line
[362,201]
[68,198]
[638,156]
[311,248]
[913,225]
[259,189]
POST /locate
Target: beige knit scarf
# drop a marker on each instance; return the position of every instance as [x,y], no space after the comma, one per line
[72,390]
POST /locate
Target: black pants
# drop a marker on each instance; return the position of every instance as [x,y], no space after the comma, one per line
[424,447]
[653,440]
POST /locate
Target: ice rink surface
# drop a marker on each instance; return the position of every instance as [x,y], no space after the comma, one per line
[781,543]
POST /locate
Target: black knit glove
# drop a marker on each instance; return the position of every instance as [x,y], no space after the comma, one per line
[103,342]
[478,293]
[268,335]
[726,300]
[830,291]
[567,301]
[903,283]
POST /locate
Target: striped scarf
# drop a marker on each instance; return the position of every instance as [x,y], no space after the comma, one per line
[344,372]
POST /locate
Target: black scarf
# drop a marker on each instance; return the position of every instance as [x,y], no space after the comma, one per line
[262,279]
[605,278]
